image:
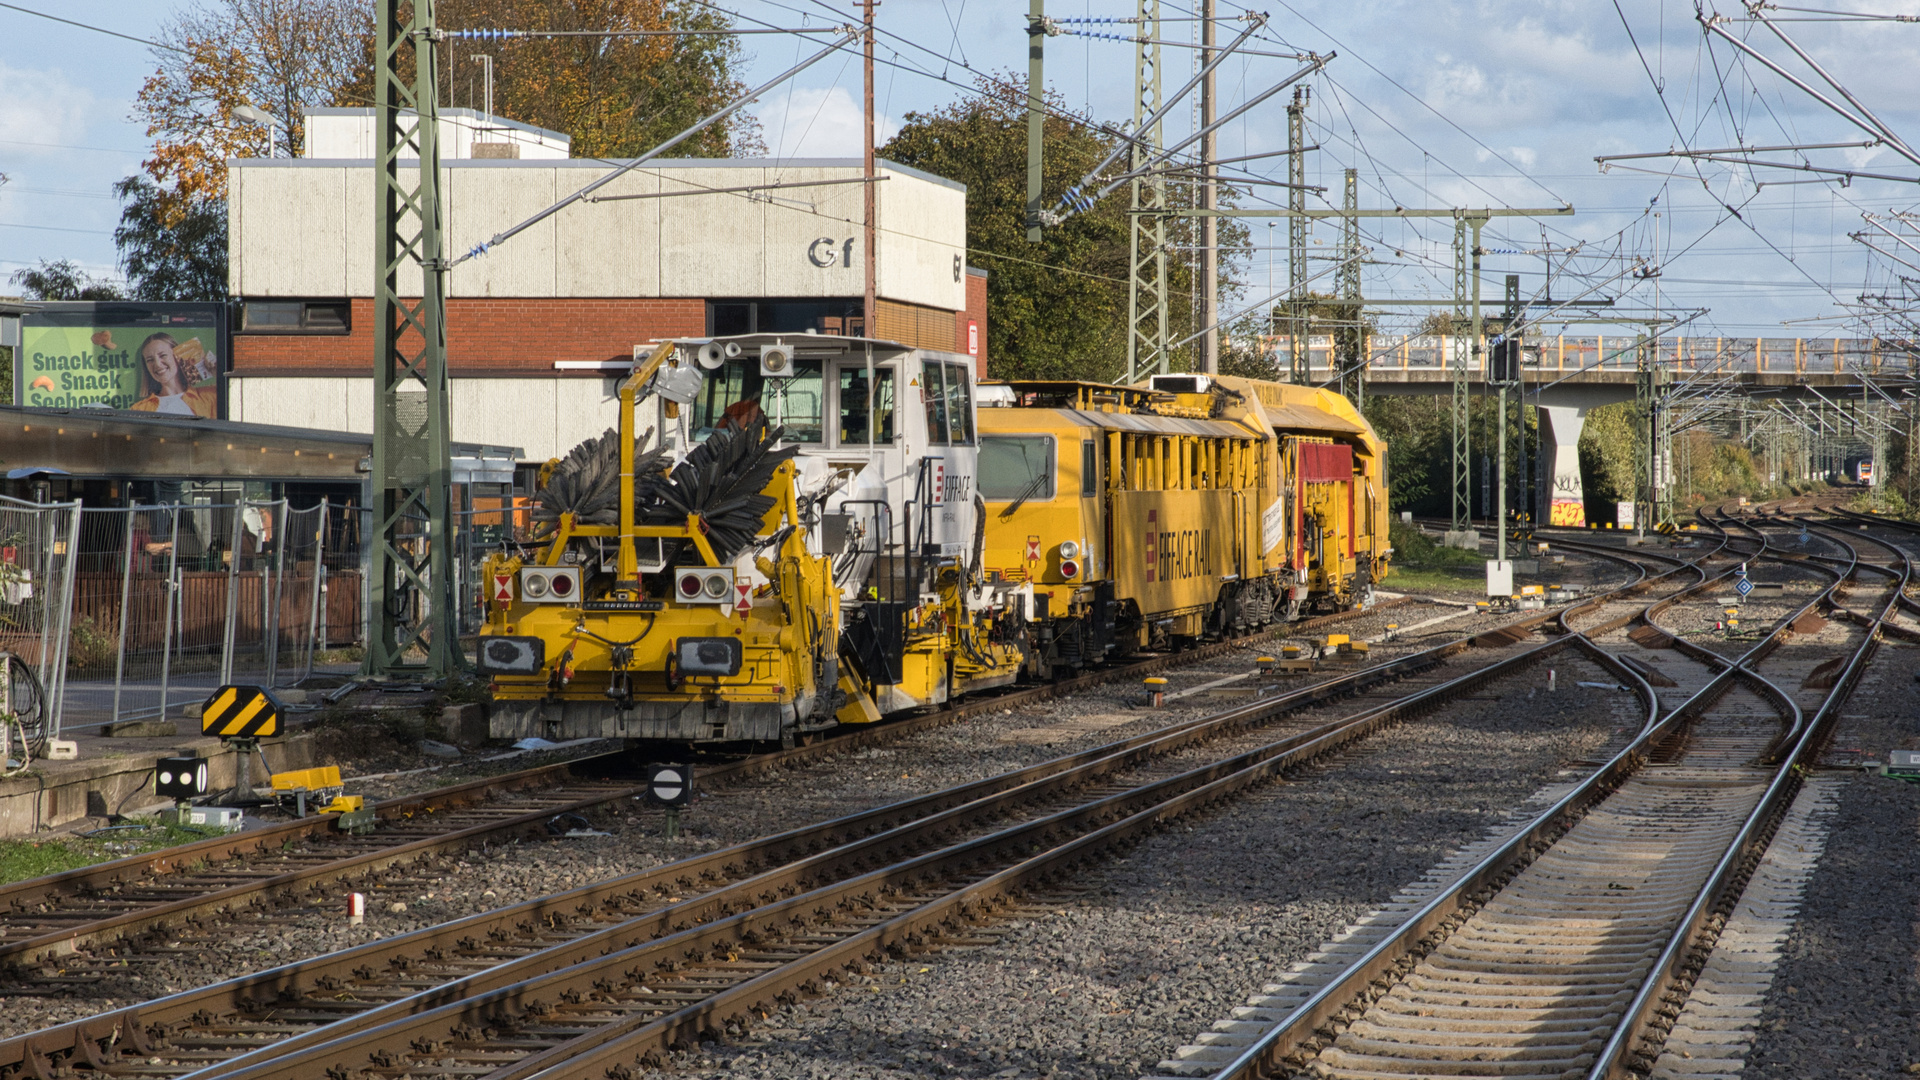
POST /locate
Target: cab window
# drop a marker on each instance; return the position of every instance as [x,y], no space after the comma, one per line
[737,394]
[959,406]
[794,402]
[1014,467]
[933,394]
[726,389]
[1089,469]
[861,411]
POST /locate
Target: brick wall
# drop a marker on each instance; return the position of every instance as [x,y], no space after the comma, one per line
[976,314]
[488,336]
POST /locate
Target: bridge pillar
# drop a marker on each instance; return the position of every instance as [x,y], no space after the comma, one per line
[1560,460]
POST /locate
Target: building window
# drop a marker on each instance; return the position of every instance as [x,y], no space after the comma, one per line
[296,317]
[728,317]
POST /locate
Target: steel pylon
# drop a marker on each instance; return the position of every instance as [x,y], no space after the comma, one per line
[411,628]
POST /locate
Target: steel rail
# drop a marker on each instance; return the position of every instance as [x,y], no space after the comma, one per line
[102,878]
[1907,603]
[1321,743]
[1331,1000]
[643,1040]
[84,1039]
[738,930]
[105,875]
[1747,846]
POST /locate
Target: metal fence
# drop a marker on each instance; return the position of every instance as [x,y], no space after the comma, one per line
[37,556]
[174,600]
[128,613]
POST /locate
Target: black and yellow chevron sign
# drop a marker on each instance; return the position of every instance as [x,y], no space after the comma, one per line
[1666,528]
[241,712]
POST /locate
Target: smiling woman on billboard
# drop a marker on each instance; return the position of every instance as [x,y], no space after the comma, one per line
[169,370]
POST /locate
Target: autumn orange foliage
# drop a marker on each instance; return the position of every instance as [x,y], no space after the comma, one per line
[616,96]
[190,155]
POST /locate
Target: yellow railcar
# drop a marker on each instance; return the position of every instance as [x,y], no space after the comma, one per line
[1189,507]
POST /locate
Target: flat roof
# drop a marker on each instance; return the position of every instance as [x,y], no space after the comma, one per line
[112,442]
[493,121]
[613,163]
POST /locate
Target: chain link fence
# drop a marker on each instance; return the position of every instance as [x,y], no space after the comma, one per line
[38,550]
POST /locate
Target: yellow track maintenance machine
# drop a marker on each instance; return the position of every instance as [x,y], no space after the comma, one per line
[795,543]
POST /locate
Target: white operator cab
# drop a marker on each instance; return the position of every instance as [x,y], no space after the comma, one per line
[886,441]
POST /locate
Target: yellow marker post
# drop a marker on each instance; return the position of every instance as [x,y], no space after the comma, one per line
[1157,686]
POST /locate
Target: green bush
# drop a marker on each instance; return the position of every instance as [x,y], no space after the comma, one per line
[1415,550]
[1880,500]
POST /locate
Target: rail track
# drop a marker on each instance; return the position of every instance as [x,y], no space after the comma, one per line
[635,965]
[146,902]
[1569,948]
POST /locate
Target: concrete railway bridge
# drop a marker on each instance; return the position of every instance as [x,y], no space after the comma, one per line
[1567,377]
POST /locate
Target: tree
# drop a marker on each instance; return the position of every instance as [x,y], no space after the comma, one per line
[183,261]
[62,280]
[1056,309]
[616,96]
[1607,442]
[280,56]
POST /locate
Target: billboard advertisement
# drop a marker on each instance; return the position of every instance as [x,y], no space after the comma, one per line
[160,358]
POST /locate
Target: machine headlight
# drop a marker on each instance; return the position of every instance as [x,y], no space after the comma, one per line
[708,656]
[1069,549]
[512,655]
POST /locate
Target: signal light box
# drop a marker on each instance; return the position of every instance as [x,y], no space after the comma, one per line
[180,778]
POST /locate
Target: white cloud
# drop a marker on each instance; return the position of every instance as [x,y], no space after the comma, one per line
[819,122]
[40,106]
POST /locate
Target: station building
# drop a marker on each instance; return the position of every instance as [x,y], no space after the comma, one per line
[539,327]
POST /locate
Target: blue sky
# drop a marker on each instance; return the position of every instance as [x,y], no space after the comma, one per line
[1497,103]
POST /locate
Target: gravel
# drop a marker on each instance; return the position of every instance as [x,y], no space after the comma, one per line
[1846,1000]
[1182,928]
[481,880]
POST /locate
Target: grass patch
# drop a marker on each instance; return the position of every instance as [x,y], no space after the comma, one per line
[1419,562]
[24,859]
[1405,579]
